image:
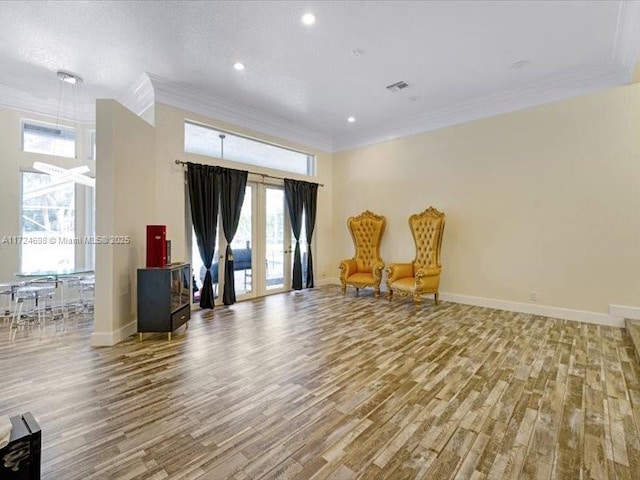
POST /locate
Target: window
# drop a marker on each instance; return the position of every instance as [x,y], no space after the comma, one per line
[48,139]
[206,141]
[92,145]
[47,223]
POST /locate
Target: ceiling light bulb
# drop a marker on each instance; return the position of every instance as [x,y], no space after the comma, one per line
[351,119]
[238,66]
[308,19]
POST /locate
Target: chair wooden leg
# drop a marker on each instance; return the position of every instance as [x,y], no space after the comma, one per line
[377,292]
[436,298]
[417,299]
[344,289]
[390,294]
[357,291]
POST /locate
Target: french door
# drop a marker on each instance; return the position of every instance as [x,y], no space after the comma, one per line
[261,246]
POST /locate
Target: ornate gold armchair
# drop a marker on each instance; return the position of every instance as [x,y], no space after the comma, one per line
[365,268]
[422,276]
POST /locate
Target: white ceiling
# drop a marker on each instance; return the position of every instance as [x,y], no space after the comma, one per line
[301,82]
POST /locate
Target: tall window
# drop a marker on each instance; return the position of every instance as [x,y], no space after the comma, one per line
[47,219]
[38,137]
[205,140]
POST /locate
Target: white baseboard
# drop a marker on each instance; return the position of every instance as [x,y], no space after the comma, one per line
[610,319]
[615,317]
[108,339]
[623,311]
[328,281]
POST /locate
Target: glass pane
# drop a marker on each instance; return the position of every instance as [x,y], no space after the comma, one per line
[206,141]
[48,139]
[185,284]
[176,289]
[275,238]
[241,246]
[47,223]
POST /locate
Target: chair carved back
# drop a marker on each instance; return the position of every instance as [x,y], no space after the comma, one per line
[427,228]
[366,231]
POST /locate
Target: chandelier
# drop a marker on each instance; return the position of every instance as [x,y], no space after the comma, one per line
[69,81]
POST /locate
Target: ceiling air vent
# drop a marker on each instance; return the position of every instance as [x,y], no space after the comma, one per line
[396,87]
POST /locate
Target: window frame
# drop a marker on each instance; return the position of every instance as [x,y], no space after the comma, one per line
[40,123]
[310,160]
[92,144]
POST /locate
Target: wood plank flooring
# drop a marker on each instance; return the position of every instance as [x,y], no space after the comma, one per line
[316,385]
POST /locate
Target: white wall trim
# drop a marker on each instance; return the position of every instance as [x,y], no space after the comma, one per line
[623,311]
[27,101]
[203,103]
[108,339]
[570,84]
[544,310]
[626,43]
[615,317]
[139,96]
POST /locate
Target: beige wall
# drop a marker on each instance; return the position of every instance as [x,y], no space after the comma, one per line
[544,199]
[13,161]
[170,197]
[125,193]
[138,183]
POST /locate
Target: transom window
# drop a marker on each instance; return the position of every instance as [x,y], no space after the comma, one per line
[48,139]
[205,140]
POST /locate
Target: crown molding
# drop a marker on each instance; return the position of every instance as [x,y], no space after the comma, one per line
[571,84]
[26,101]
[196,101]
[626,42]
[139,96]
[150,88]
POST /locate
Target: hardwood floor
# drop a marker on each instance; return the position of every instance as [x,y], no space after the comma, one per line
[316,385]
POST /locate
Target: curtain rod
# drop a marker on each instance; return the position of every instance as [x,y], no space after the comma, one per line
[263,175]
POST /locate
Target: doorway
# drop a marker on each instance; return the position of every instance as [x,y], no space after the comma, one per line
[262,250]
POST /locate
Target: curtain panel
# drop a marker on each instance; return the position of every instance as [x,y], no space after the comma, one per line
[295,204]
[232,189]
[301,198]
[203,183]
[310,203]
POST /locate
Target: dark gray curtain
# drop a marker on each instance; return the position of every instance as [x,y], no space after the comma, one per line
[293,191]
[310,192]
[203,184]
[232,188]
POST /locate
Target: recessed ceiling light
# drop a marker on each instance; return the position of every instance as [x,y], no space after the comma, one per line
[357,53]
[308,19]
[351,119]
[238,66]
